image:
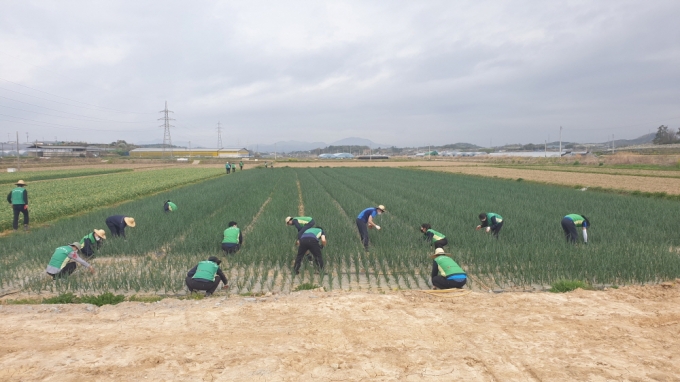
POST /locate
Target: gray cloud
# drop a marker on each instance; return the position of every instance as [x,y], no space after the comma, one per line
[403,73]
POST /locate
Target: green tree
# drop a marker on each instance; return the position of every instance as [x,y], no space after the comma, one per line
[665,135]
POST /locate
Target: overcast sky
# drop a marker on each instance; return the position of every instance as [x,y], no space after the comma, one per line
[405,73]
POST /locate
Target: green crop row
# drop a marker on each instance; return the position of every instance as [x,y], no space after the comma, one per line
[49,200]
[32,176]
[632,239]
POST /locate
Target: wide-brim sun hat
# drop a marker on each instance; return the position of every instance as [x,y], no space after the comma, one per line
[381,208]
[288,219]
[130,222]
[75,244]
[439,252]
[21,183]
[101,233]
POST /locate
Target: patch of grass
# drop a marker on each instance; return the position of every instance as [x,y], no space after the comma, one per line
[64,298]
[576,163]
[563,286]
[136,298]
[107,298]
[23,301]
[306,286]
[520,179]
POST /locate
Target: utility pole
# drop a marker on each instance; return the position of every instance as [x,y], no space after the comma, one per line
[560,141]
[18,163]
[167,142]
[189,149]
[545,148]
[274,150]
[613,145]
[219,136]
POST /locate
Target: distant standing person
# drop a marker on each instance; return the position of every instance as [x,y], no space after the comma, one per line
[227,167]
[438,239]
[312,240]
[365,222]
[88,243]
[266,164]
[569,224]
[18,198]
[169,206]
[233,239]
[491,222]
[117,224]
[446,273]
[204,276]
[301,223]
[240,165]
[64,259]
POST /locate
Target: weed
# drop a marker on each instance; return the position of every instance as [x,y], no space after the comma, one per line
[306,286]
[107,298]
[563,286]
[64,298]
[144,298]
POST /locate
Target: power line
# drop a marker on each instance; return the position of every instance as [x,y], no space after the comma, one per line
[92,119]
[42,124]
[219,136]
[85,103]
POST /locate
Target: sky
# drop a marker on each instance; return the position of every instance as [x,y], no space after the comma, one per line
[403,73]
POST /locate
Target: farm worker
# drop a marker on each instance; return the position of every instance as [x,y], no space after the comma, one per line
[365,221]
[240,165]
[569,224]
[301,223]
[265,165]
[169,206]
[117,224]
[64,259]
[18,198]
[86,243]
[232,238]
[446,273]
[204,276]
[437,239]
[491,222]
[312,240]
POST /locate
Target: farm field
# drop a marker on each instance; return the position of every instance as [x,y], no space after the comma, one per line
[70,192]
[628,243]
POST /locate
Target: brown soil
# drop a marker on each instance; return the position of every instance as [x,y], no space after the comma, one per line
[629,334]
[620,182]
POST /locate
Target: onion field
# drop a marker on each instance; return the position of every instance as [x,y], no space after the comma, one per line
[632,239]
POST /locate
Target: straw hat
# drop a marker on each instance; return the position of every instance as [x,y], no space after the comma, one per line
[129,221]
[381,208]
[439,252]
[288,219]
[75,244]
[101,233]
[21,183]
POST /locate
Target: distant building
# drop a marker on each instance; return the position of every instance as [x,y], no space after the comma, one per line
[336,156]
[184,152]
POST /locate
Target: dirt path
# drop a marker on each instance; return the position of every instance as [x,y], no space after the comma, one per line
[619,182]
[630,334]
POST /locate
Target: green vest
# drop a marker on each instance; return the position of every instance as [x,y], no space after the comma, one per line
[60,256]
[231,235]
[490,215]
[447,266]
[206,270]
[172,206]
[18,196]
[436,236]
[91,237]
[240,164]
[314,231]
[303,219]
[578,219]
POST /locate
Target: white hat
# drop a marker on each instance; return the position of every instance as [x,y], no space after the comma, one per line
[439,252]
[381,208]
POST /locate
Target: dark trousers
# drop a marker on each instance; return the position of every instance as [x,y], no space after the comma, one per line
[442,283]
[115,228]
[569,229]
[440,243]
[230,248]
[363,232]
[19,208]
[207,286]
[311,245]
[496,229]
[228,170]
[65,271]
[87,251]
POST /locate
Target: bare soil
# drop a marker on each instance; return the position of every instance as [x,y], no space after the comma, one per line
[629,334]
[619,182]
